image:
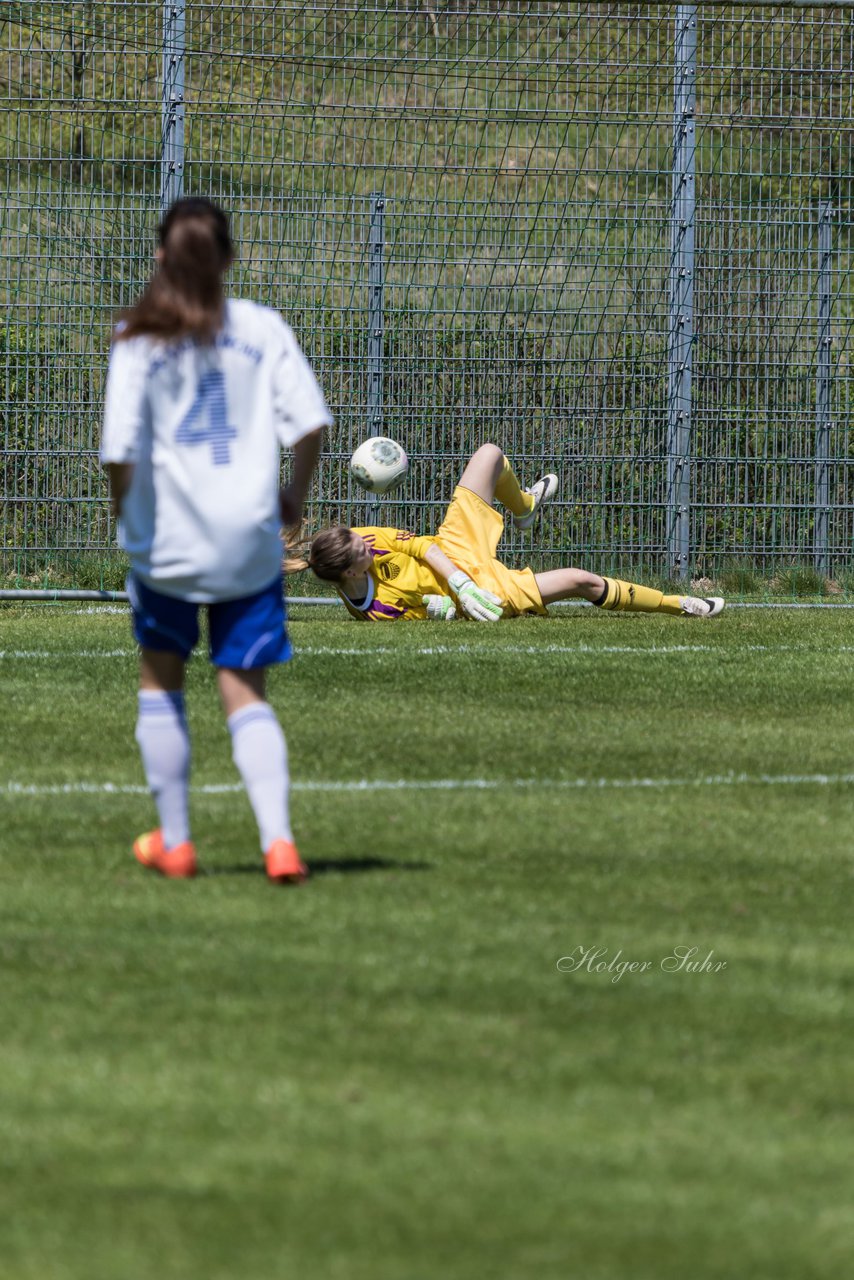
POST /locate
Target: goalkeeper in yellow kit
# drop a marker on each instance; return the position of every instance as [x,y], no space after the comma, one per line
[386,574]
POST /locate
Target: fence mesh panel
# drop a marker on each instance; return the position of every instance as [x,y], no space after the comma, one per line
[507,170]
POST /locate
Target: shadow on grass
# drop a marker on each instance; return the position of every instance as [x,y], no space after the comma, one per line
[324,867]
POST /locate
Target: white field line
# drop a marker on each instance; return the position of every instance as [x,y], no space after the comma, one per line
[100,608]
[731,604]
[12,654]
[369,785]
[450,650]
[531,649]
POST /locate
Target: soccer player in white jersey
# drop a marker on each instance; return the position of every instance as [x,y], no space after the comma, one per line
[202,393]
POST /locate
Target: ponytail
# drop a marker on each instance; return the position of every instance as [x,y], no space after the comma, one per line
[184,297]
[297,549]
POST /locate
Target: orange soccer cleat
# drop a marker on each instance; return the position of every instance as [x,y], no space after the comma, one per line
[284,864]
[178,863]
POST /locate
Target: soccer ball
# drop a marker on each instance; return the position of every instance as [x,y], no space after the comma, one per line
[379,464]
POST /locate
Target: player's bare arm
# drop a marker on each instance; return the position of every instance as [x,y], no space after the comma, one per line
[292,497]
[120,475]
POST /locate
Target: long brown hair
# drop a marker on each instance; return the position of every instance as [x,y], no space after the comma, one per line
[184,297]
[327,554]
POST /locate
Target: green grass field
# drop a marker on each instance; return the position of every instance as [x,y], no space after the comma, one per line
[384,1075]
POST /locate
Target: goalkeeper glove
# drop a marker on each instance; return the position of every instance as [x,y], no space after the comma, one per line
[440,608]
[476,602]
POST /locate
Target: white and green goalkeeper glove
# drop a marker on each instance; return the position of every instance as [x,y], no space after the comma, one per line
[476,602]
[440,608]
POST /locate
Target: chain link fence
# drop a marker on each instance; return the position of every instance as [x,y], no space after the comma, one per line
[613,238]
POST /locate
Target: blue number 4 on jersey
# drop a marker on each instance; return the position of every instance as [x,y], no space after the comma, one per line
[206,420]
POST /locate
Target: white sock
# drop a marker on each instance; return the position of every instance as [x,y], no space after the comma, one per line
[261,754]
[164,741]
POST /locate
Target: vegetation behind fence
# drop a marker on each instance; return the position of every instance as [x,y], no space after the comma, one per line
[486,220]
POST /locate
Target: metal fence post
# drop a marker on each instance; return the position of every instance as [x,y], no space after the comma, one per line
[823,425]
[172,105]
[376,282]
[681,330]
[376,347]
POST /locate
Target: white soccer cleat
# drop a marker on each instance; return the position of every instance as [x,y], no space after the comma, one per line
[543,490]
[702,606]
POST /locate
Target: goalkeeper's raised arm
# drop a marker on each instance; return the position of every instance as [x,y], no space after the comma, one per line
[385,575]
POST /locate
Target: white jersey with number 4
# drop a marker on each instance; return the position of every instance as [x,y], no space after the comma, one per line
[203,426]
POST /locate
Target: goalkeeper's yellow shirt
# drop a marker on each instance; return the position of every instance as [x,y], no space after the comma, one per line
[398,577]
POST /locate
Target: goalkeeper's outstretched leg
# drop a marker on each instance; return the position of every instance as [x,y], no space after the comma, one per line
[488,473]
[613,594]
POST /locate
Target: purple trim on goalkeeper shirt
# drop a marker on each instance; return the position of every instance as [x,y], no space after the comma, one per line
[369,539]
[385,610]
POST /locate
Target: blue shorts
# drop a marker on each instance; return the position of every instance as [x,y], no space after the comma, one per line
[244,633]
